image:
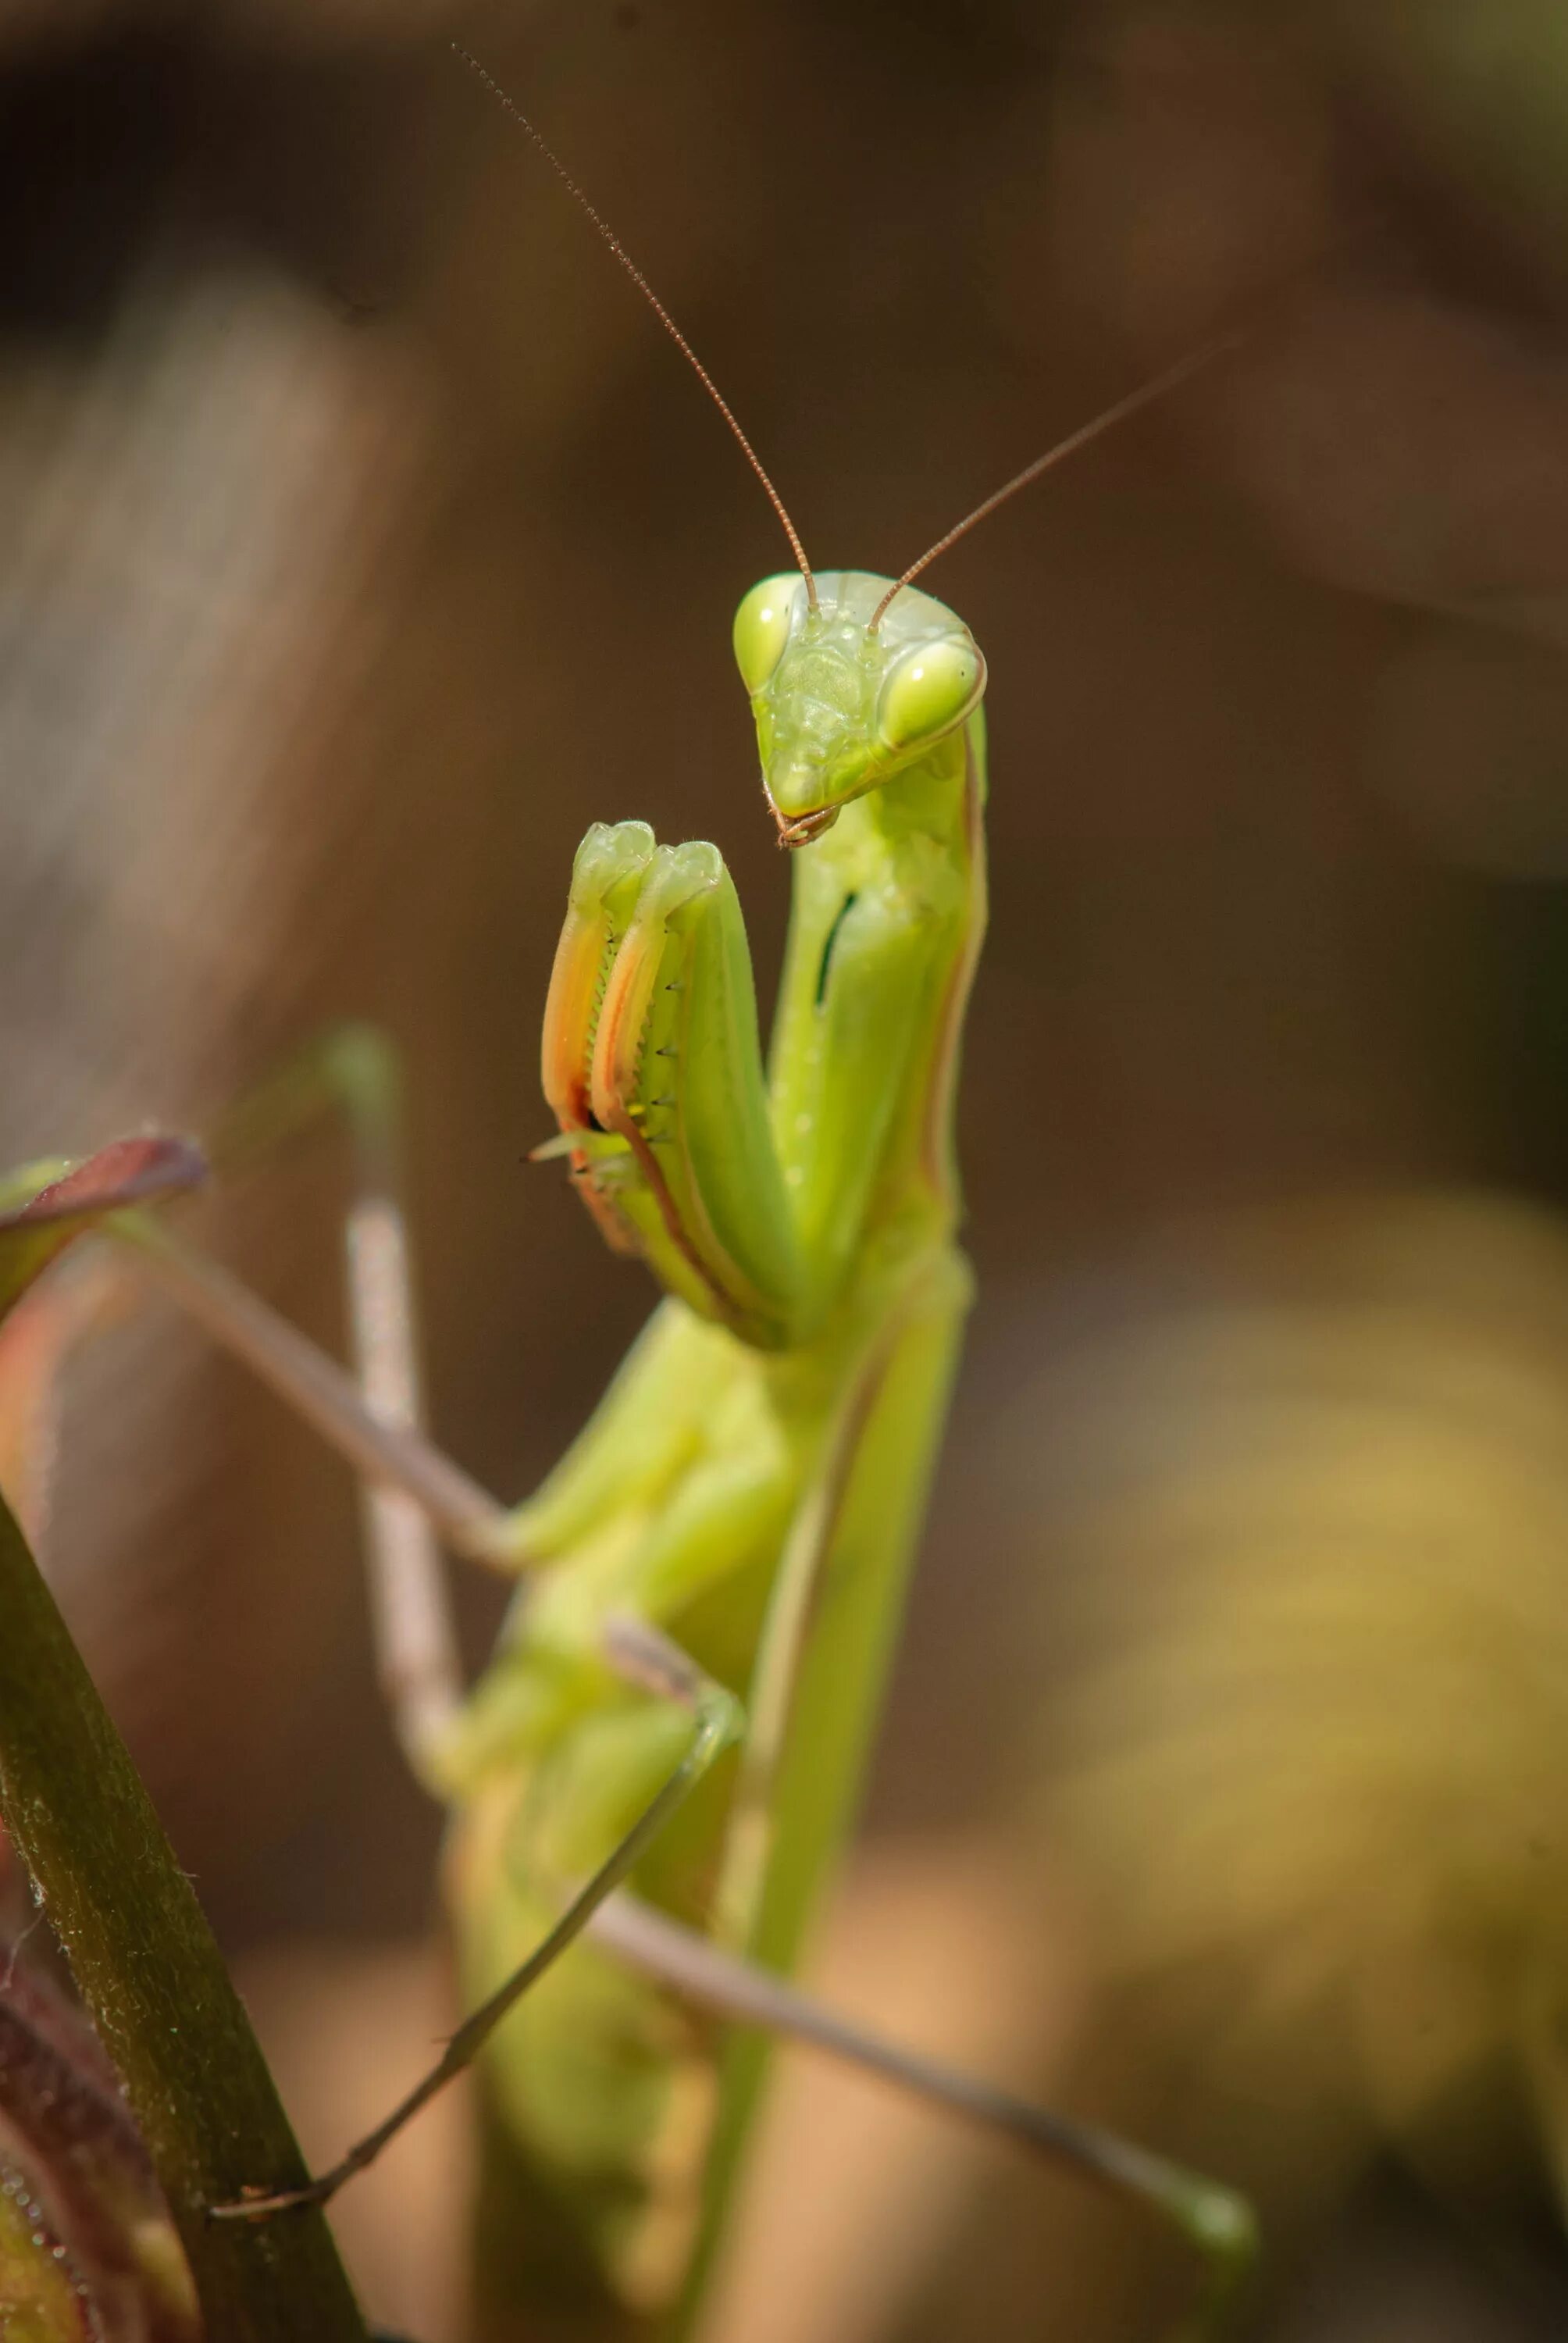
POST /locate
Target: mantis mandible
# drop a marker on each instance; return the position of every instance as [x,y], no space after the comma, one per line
[711,1579]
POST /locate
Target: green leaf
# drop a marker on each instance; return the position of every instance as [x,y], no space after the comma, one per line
[44,1206]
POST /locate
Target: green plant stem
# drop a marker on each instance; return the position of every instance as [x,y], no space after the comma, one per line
[145,1963]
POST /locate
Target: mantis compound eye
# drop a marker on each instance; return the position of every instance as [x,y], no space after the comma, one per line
[928,690]
[763,625]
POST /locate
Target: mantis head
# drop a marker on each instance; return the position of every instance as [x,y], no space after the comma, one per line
[853,678]
[847,690]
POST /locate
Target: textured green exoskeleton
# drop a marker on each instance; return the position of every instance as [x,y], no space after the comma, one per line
[755,1479]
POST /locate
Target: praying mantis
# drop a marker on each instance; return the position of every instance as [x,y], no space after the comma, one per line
[709,1582]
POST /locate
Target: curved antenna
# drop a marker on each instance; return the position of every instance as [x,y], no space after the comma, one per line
[509,106]
[1155,387]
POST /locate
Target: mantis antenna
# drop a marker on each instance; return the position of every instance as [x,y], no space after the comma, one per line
[509,106]
[1168,379]
[1157,385]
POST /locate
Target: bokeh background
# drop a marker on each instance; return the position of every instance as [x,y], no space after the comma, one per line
[361,538]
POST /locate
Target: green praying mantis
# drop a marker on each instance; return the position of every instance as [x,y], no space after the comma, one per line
[709,1582]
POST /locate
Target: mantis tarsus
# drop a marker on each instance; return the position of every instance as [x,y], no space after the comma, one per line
[712,1577]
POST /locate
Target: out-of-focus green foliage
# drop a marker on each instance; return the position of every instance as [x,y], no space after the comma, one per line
[1314,1740]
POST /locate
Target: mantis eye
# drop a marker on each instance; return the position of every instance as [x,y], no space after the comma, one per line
[929,690]
[762,628]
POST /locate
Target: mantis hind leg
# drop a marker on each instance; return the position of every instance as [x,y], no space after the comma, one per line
[352,1073]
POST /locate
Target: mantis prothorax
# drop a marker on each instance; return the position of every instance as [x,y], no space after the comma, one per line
[713,1575]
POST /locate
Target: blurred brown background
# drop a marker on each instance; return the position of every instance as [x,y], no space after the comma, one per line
[363,540]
